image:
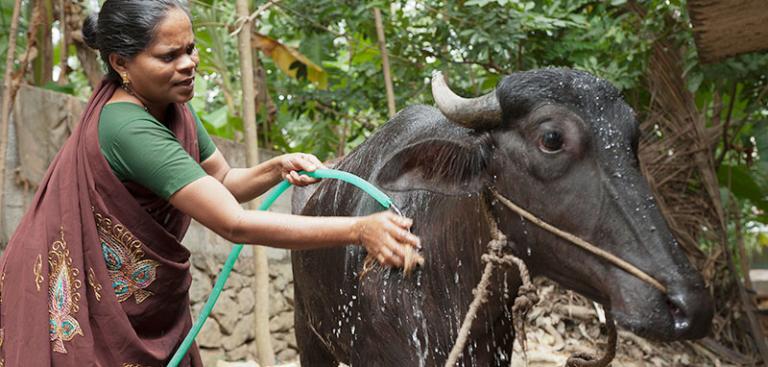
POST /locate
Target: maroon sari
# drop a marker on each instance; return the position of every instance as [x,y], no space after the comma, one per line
[95,274]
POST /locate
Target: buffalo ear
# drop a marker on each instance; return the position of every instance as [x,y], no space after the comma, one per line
[436,165]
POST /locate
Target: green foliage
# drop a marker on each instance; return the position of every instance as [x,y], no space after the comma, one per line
[475,42]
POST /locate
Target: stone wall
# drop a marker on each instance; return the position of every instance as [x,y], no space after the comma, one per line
[228,333]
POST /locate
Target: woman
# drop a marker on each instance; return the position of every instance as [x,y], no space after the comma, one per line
[95,274]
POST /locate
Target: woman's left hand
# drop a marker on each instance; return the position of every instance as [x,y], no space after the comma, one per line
[290,164]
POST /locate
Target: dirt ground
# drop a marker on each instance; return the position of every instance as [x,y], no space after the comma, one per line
[564,322]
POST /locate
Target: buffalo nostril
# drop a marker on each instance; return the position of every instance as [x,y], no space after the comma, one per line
[677,308]
[690,309]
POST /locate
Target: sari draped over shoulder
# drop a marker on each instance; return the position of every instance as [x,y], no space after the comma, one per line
[95,274]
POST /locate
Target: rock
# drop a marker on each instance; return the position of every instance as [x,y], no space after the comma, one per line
[246,300]
[226,313]
[288,294]
[280,283]
[196,309]
[242,333]
[211,356]
[235,364]
[201,287]
[291,339]
[281,322]
[245,266]
[279,345]
[210,265]
[277,306]
[210,334]
[237,281]
[240,353]
[286,336]
[287,354]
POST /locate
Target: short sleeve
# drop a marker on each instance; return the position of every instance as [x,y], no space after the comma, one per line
[147,153]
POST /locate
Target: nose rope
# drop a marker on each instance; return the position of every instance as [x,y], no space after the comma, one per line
[624,265]
[589,360]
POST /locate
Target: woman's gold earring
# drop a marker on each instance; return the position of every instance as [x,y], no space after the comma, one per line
[126,81]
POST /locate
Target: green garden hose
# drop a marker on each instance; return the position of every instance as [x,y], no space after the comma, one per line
[377,194]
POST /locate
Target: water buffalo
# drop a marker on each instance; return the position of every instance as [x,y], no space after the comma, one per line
[560,143]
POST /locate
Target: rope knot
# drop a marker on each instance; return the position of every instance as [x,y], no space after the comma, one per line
[526,299]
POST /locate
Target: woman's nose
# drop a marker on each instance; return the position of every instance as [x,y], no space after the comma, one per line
[188,63]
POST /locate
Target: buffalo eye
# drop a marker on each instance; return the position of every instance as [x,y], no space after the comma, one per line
[551,142]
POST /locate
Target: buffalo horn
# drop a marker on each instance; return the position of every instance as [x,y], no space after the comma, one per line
[478,113]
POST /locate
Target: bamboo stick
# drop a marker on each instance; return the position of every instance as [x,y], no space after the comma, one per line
[385,63]
[261,267]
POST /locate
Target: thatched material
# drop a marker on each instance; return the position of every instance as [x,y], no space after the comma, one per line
[728,28]
[676,156]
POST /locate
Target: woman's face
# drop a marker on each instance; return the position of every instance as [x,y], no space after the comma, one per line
[165,71]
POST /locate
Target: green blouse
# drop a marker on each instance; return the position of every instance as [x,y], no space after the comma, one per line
[139,148]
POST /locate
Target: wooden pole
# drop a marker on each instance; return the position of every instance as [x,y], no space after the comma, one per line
[385,63]
[42,71]
[5,109]
[261,268]
[64,44]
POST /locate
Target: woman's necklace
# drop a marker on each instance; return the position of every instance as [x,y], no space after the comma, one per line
[128,90]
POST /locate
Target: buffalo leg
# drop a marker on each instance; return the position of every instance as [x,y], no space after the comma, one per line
[312,351]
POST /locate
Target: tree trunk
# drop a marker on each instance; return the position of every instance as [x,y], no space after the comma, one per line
[260,97]
[89,59]
[43,63]
[6,110]
[385,63]
[261,269]
[64,44]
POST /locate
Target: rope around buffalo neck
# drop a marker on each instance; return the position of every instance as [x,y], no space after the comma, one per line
[624,265]
[526,298]
[526,294]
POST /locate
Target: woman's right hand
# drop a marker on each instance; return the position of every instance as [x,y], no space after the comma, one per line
[385,236]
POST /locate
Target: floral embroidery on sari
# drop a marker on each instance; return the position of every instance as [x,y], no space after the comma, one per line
[94,284]
[63,295]
[128,365]
[130,273]
[38,270]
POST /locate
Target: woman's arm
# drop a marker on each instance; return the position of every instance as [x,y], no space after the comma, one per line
[208,201]
[245,184]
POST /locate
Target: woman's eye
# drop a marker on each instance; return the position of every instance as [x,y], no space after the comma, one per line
[168,58]
[551,142]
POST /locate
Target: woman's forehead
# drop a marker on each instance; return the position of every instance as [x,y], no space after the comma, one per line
[174,31]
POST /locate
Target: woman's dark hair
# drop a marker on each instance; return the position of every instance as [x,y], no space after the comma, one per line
[125,27]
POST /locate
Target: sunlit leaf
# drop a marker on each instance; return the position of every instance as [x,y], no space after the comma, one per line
[291,61]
